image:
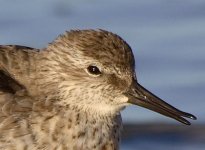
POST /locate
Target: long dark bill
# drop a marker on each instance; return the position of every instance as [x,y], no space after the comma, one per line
[138,95]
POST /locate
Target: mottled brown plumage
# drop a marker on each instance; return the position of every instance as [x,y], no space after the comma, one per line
[50,100]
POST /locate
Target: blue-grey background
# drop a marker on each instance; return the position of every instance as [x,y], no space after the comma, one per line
[167,37]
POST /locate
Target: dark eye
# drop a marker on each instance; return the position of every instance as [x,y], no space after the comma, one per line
[93,70]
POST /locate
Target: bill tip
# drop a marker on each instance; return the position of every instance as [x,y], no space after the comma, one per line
[193,117]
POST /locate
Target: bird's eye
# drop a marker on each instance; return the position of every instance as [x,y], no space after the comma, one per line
[93,70]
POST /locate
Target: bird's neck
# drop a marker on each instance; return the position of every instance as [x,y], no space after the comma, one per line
[75,129]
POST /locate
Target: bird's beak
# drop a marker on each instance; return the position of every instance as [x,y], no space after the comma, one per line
[138,95]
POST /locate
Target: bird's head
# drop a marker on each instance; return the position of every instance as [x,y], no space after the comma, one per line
[95,70]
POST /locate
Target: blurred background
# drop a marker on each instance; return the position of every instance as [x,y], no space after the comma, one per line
[168,40]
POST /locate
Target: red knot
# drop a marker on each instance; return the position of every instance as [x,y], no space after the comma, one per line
[68,96]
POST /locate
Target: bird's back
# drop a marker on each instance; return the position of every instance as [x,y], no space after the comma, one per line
[15,100]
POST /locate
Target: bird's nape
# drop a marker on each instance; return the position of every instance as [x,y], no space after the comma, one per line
[140,96]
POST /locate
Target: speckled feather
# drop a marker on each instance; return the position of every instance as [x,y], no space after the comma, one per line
[48,100]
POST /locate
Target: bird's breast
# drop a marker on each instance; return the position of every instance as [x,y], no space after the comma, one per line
[75,130]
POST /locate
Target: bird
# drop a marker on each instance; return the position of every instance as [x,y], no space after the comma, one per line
[69,95]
